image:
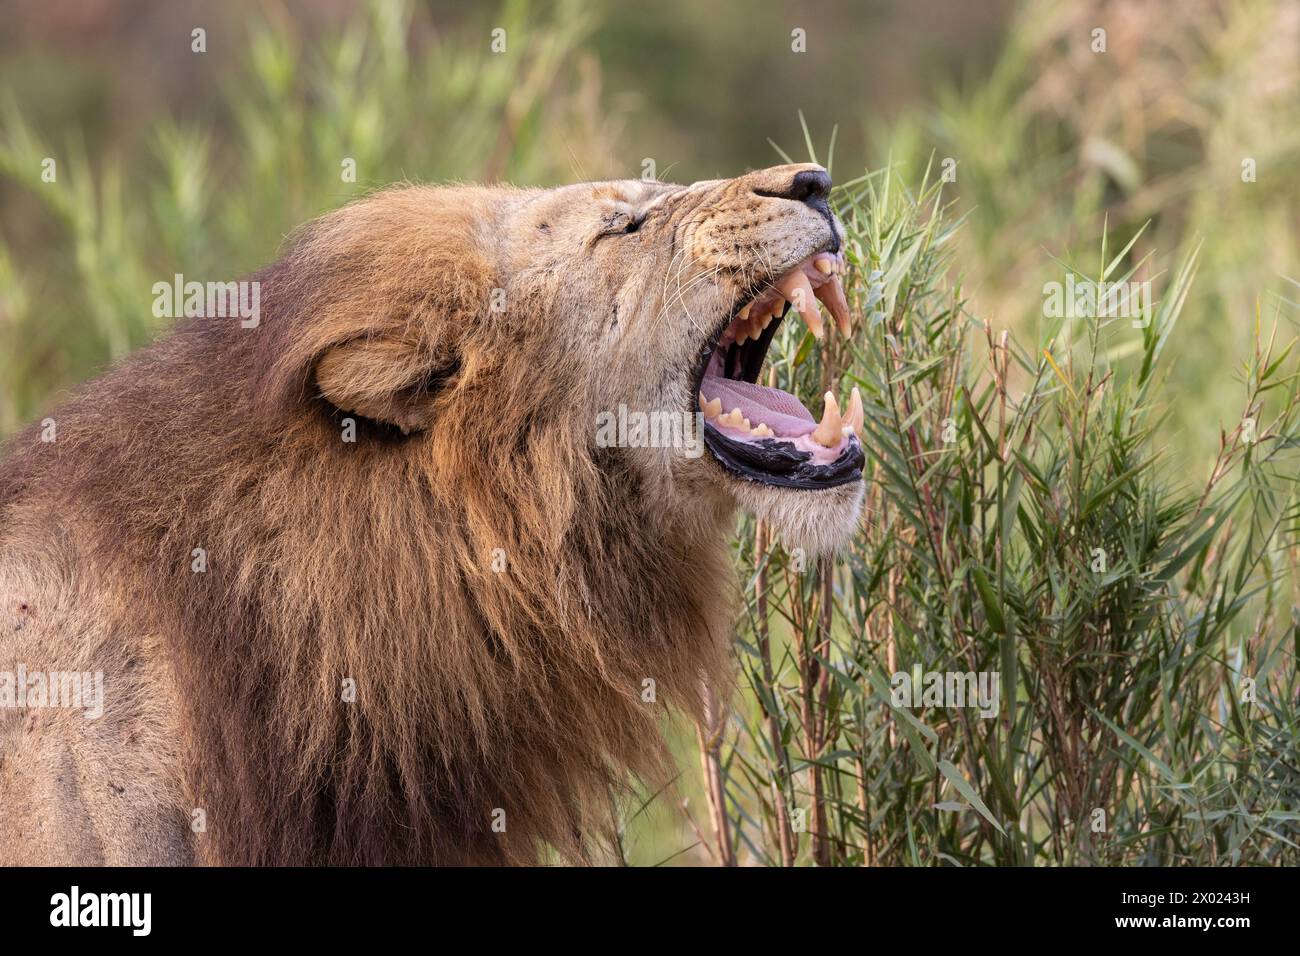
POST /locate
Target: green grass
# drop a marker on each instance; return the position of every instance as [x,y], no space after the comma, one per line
[1061,144]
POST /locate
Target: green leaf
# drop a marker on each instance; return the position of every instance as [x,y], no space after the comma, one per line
[1165,770]
[966,790]
[989,598]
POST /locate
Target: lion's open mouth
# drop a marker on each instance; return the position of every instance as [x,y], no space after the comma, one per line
[765,434]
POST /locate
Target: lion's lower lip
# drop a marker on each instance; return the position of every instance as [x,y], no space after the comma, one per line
[775,462]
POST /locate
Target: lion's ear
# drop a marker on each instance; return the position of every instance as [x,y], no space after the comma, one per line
[382,379]
[376,304]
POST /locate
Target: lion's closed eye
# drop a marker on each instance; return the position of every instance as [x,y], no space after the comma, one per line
[620,222]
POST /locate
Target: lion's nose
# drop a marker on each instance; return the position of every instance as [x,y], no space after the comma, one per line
[810,186]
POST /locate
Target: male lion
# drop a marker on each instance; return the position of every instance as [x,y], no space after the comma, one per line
[362,586]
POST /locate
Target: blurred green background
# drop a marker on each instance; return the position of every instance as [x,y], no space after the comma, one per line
[170,160]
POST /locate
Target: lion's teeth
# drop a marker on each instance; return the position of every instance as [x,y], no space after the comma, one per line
[828,432]
[855,416]
[762,431]
[777,309]
[734,419]
[711,408]
[824,264]
[799,290]
[839,306]
[744,313]
[832,296]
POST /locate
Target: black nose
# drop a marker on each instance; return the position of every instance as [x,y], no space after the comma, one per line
[812,186]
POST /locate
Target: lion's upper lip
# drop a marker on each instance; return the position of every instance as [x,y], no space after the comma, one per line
[764,433]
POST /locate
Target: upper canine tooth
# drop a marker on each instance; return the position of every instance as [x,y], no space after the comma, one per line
[824,265]
[744,313]
[832,295]
[840,308]
[828,432]
[799,290]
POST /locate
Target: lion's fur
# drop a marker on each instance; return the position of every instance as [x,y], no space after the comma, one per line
[478,687]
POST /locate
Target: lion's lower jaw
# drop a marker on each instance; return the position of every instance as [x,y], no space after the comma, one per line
[819,521]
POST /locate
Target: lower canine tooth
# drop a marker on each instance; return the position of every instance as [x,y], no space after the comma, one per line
[855,416]
[828,432]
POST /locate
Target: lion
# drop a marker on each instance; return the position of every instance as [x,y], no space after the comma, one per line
[360,584]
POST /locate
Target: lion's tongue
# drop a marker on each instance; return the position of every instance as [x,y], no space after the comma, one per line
[780,411]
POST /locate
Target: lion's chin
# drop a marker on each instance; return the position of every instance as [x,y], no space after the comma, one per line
[819,521]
